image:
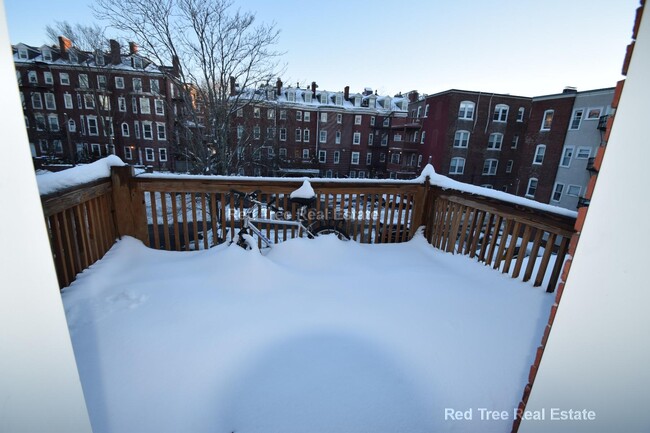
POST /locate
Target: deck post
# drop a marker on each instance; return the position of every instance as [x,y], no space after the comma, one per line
[128,205]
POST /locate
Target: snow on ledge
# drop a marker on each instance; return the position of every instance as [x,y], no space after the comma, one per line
[52,182]
[305,191]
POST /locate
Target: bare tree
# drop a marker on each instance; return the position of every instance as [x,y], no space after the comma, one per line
[217,54]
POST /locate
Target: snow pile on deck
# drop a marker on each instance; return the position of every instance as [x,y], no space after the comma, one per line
[317,336]
[52,182]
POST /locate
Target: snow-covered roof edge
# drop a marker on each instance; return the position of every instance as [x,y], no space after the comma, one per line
[49,183]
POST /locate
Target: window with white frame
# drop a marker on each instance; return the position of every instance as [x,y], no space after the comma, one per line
[47,54]
[307,96]
[415,136]
[394,158]
[324,99]
[257,133]
[162,154]
[101,82]
[270,152]
[490,167]
[298,136]
[372,120]
[384,139]
[159,106]
[583,152]
[270,133]
[461,139]
[154,85]
[291,96]
[305,154]
[110,149]
[362,174]
[47,76]
[137,85]
[368,158]
[531,189]
[426,110]
[89,101]
[93,128]
[145,106]
[576,118]
[322,155]
[305,135]
[353,174]
[22,53]
[371,138]
[73,57]
[495,141]
[354,158]
[397,138]
[547,120]
[557,191]
[270,113]
[419,160]
[424,133]
[104,102]
[500,113]
[515,141]
[283,152]
[42,144]
[457,165]
[58,146]
[125,130]
[386,122]
[128,152]
[306,116]
[67,101]
[573,190]
[357,119]
[323,117]
[149,154]
[50,103]
[337,139]
[72,125]
[96,149]
[540,150]
[520,114]
[121,104]
[83,81]
[299,116]
[323,136]
[53,120]
[108,126]
[82,124]
[37,101]
[509,165]
[382,157]
[147,130]
[240,131]
[136,129]
[356,138]
[328,173]
[40,121]
[32,77]
[134,105]
[119,83]
[283,134]
[339,99]
[337,156]
[567,154]
[466,110]
[339,118]
[161,130]
[418,112]
[64,78]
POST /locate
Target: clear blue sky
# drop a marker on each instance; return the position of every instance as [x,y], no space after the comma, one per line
[521,47]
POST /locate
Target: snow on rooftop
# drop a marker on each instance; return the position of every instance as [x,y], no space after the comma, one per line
[52,182]
[316,336]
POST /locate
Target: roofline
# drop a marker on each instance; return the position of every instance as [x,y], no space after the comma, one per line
[477,93]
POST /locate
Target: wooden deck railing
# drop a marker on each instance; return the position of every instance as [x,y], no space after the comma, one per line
[184,214]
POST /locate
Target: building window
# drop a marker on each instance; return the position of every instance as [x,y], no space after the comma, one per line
[322,155]
[93,129]
[567,154]
[426,111]
[593,113]
[576,119]
[119,84]
[490,167]
[307,96]
[22,54]
[159,106]
[461,139]
[145,106]
[136,129]
[495,141]
[125,130]
[386,122]
[162,154]
[270,133]
[299,116]
[305,154]
[37,101]
[283,152]
[154,85]
[532,187]
[394,158]
[270,113]
[500,113]
[370,139]
[355,158]
[557,192]
[419,160]
[337,156]
[83,81]
[149,154]
[64,79]
[137,85]
[323,117]
[339,101]
[520,114]
[356,138]
[54,122]
[573,190]
[240,131]
[306,117]
[291,96]
[419,112]
[32,78]
[283,134]
[298,134]
[515,141]
[305,135]
[67,101]
[73,57]
[353,174]
[121,104]
[547,121]
[89,101]
[72,126]
[509,166]
[338,137]
[457,166]
[47,76]
[323,136]
[422,137]
[357,119]
[540,150]
[162,132]
[324,99]
[128,153]
[397,138]
[134,105]
[40,121]
[339,118]
[147,131]
[583,153]
[101,82]
[384,140]
[382,157]
[466,110]
[256,133]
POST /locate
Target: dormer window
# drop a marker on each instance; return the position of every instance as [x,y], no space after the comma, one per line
[73,57]
[291,96]
[324,98]
[357,101]
[47,55]
[339,100]
[99,58]
[137,62]
[308,96]
[22,54]
[372,102]
[387,102]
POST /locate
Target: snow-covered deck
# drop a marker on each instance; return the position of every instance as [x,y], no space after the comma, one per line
[316,336]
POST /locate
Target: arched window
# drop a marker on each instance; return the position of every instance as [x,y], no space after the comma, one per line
[495,141]
[461,139]
[457,166]
[490,167]
[466,110]
[540,150]
[547,121]
[500,113]
[125,130]
[532,187]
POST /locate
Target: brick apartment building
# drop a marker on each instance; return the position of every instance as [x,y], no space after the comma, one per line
[80,106]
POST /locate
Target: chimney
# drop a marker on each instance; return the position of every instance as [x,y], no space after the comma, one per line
[278,87]
[233,90]
[569,89]
[414,96]
[116,58]
[346,93]
[64,45]
[133,48]
[313,88]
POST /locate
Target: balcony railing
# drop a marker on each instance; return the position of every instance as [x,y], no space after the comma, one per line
[183,214]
